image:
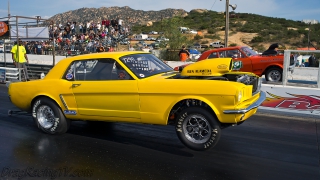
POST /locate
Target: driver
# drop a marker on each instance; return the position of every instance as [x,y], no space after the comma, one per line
[121,72]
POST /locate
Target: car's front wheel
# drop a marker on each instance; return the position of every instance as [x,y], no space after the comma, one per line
[48,116]
[198,129]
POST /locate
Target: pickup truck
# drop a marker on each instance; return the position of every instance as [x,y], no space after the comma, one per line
[217,45]
[269,65]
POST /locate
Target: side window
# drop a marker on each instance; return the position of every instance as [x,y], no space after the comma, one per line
[230,53]
[95,70]
[213,55]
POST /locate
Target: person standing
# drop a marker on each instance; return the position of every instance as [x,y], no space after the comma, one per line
[20,58]
[120,22]
[184,54]
[298,60]
[100,48]
[111,49]
[38,48]
[312,61]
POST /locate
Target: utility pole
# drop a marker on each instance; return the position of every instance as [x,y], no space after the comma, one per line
[309,35]
[227,25]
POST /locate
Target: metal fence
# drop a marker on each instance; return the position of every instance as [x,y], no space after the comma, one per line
[286,65]
[34,71]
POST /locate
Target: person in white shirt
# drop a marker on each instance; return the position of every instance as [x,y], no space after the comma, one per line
[98,26]
[81,28]
[299,60]
[120,22]
[88,26]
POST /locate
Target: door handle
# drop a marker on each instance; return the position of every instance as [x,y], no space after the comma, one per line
[75,85]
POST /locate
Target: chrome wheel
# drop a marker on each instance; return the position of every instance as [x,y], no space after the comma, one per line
[45,116]
[274,75]
[197,129]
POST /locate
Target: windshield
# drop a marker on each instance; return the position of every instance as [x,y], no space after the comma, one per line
[249,52]
[145,65]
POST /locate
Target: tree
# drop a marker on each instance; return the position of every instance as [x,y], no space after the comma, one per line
[176,38]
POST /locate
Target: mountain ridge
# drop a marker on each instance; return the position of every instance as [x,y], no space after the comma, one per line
[126,13]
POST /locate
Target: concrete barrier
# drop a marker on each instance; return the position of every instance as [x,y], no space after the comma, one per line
[10,74]
[33,59]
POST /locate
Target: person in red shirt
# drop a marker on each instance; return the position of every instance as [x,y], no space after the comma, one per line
[103,23]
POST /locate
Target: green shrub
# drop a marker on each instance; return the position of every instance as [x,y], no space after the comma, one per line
[197,37]
[211,31]
[257,39]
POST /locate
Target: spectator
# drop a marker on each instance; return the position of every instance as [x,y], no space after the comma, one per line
[103,24]
[312,61]
[81,28]
[26,47]
[120,22]
[88,27]
[67,31]
[20,58]
[111,49]
[38,49]
[98,27]
[73,28]
[184,54]
[298,60]
[131,48]
[107,24]
[100,48]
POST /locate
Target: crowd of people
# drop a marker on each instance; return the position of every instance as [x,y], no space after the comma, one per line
[311,61]
[86,37]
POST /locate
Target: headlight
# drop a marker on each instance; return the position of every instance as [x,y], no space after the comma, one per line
[239,95]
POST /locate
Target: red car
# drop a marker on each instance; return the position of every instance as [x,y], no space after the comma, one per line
[269,65]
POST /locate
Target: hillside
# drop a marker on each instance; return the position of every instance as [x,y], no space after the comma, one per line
[129,15]
[245,29]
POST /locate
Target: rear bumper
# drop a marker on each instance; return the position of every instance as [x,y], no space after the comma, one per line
[254,105]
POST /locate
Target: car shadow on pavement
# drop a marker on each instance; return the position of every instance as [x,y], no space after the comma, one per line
[155,137]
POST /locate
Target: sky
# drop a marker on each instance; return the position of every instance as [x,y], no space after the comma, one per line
[289,9]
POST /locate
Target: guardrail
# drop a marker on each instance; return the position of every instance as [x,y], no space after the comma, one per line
[11,74]
[34,71]
[286,65]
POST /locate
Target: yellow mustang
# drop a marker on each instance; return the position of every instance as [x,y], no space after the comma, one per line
[137,87]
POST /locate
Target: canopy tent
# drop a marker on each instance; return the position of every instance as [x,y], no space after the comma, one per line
[30,33]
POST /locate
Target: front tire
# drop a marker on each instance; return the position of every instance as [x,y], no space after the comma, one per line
[274,75]
[197,129]
[48,117]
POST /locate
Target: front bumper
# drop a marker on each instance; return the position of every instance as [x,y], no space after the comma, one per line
[254,105]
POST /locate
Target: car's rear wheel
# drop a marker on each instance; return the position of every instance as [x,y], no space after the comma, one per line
[274,75]
[49,117]
[197,128]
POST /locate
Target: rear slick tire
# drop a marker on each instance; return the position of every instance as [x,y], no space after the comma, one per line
[48,117]
[198,129]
